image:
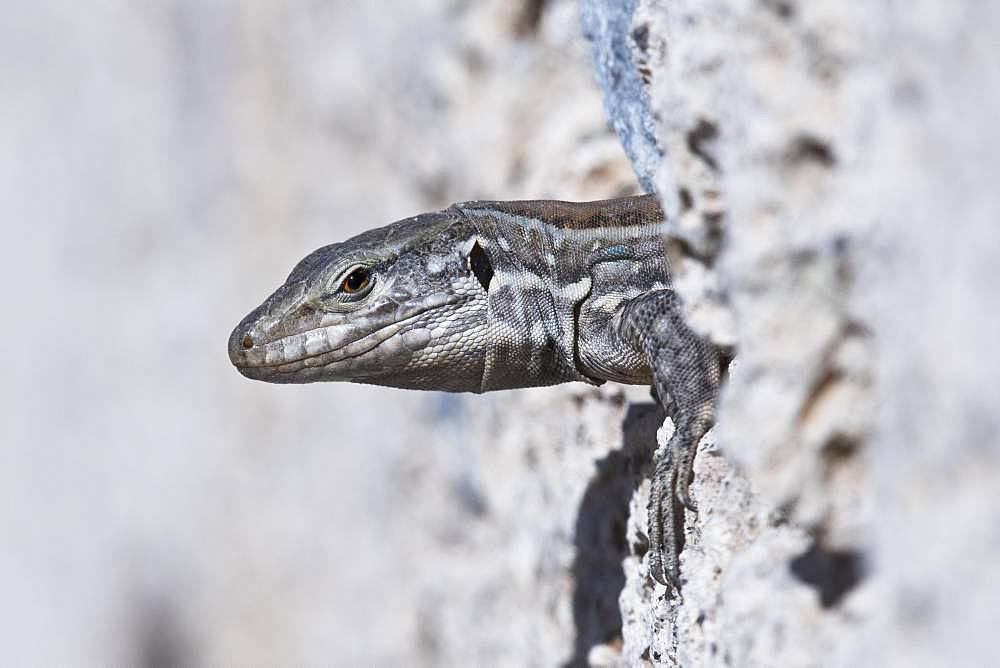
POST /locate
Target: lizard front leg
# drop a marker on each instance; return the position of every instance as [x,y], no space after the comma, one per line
[685,372]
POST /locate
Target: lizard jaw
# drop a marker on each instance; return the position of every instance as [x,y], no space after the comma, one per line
[354,350]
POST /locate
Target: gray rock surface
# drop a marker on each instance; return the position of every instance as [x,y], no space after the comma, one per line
[836,162]
[828,168]
[621,75]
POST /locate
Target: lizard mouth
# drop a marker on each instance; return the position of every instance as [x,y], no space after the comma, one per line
[284,367]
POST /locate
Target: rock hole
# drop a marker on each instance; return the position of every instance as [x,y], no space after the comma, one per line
[806,149]
[832,573]
[820,389]
[714,233]
[687,201]
[700,141]
[646,74]
[469,498]
[839,448]
[640,35]
[529,18]
[783,8]
[160,637]
[641,545]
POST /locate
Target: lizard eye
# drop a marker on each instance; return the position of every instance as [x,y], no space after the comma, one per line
[356,281]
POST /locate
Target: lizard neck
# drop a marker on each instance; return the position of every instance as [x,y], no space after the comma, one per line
[544,255]
[532,325]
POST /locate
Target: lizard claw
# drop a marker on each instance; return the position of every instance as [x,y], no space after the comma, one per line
[663,557]
[684,470]
[659,573]
[685,499]
[655,566]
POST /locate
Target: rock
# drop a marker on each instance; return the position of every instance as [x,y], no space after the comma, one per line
[816,151]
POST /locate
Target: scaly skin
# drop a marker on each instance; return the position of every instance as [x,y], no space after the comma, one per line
[497,295]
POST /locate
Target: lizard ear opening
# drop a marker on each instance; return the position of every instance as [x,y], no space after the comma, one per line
[479,263]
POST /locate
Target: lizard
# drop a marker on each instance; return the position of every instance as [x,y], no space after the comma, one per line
[495,295]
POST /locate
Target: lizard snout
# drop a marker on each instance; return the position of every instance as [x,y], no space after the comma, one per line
[240,341]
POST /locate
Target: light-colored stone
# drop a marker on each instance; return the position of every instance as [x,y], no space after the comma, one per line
[847,151]
[829,170]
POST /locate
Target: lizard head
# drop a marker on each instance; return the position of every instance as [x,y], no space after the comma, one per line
[404,306]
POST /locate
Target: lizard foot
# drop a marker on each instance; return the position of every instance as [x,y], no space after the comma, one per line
[669,495]
[685,370]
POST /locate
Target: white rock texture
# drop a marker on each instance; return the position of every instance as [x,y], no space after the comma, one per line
[829,168]
[832,162]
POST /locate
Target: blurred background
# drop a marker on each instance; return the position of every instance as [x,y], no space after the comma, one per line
[163,165]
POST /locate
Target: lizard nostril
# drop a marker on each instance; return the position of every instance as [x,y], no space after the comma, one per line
[247,342]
